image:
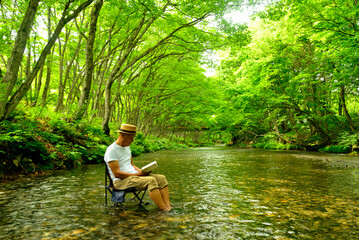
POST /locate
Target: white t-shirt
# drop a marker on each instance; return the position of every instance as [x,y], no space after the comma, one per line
[123,155]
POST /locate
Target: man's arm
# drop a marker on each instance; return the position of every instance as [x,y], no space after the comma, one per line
[115,168]
[138,169]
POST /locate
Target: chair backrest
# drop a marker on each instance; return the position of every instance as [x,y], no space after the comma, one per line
[107,175]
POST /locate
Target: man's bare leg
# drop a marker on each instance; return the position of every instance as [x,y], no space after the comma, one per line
[156,197]
[166,197]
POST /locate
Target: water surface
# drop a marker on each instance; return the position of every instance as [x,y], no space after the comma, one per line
[217,193]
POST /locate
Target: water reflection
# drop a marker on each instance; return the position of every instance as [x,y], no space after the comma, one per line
[217,193]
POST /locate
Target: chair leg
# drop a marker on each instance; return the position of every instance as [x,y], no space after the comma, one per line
[143,194]
[140,197]
[137,195]
[119,205]
[107,189]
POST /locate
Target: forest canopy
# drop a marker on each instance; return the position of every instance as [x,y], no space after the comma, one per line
[116,61]
[295,82]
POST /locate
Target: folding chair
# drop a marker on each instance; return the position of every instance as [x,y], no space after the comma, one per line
[117,195]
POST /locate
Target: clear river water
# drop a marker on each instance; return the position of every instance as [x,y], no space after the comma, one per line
[217,193]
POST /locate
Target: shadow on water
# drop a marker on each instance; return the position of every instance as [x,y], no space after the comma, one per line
[217,193]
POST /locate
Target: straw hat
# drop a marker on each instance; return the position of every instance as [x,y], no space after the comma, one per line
[127,129]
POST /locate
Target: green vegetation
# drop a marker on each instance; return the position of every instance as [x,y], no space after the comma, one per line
[29,145]
[72,71]
[293,81]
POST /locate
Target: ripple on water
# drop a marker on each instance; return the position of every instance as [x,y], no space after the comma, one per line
[217,193]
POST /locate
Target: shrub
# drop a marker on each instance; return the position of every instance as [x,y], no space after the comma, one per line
[268,142]
[336,149]
[136,149]
[31,145]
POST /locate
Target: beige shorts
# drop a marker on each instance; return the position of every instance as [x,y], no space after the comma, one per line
[150,182]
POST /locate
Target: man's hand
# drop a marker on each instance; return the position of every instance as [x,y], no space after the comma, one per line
[140,173]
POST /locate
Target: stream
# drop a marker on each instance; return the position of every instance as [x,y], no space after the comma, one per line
[216,192]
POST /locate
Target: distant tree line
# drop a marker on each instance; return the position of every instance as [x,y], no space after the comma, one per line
[295,79]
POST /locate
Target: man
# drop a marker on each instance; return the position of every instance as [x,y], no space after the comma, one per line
[125,174]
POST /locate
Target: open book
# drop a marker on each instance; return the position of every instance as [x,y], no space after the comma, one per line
[149,167]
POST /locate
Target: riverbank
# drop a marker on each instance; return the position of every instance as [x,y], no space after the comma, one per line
[340,147]
[32,146]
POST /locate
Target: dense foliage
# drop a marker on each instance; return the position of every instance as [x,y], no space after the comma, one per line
[295,83]
[30,143]
[30,146]
[135,61]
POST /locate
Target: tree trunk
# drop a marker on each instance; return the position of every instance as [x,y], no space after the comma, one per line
[98,94]
[48,63]
[20,93]
[84,99]
[27,68]
[62,51]
[37,88]
[340,105]
[107,115]
[345,110]
[12,69]
[47,83]
[61,89]
[74,88]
